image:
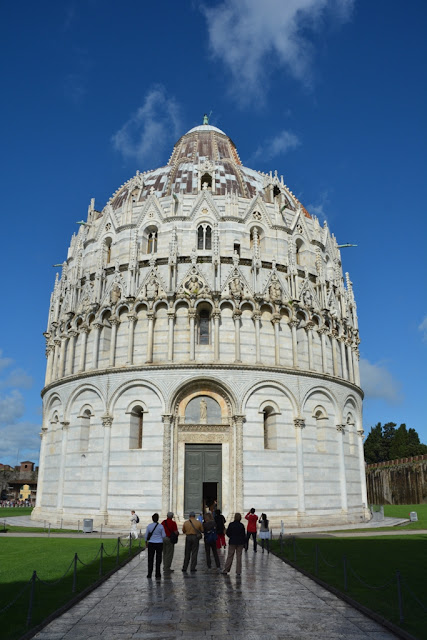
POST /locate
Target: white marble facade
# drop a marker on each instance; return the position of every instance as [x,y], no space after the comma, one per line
[203,305]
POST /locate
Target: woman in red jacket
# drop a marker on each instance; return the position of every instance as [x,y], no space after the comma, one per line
[251,529]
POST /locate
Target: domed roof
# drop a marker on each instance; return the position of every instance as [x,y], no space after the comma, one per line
[206,155]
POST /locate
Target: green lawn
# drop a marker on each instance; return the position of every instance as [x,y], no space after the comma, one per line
[401,511]
[10,512]
[51,557]
[375,561]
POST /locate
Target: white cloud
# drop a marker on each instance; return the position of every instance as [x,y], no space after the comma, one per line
[319,209]
[19,379]
[378,382]
[11,407]
[4,362]
[253,39]
[20,442]
[423,329]
[283,142]
[156,123]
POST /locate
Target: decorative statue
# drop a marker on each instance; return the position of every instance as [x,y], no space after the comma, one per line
[203,410]
[193,285]
[236,288]
[151,288]
[115,294]
[307,298]
[275,290]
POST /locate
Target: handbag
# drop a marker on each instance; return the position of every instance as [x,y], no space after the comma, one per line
[152,531]
[198,533]
[173,537]
[211,535]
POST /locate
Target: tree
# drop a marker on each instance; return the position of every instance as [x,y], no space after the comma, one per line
[374,445]
[388,443]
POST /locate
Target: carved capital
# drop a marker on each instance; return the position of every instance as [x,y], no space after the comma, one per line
[65,425]
[43,432]
[171,314]
[276,318]
[192,313]
[299,423]
[236,314]
[341,428]
[97,325]
[293,323]
[150,314]
[360,432]
[107,420]
[309,325]
[132,317]
[83,328]
[239,419]
[114,320]
[72,334]
[57,342]
[167,418]
[256,315]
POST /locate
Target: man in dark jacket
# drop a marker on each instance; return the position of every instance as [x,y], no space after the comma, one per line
[236,544]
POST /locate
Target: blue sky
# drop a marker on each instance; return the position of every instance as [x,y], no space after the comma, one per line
[331,93]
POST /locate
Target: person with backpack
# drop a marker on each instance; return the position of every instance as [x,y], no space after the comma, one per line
[251,529]
[264,532]
[209,529]
[133,522]
[169,542]
[154,536]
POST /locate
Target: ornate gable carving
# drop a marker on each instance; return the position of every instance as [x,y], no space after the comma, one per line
[236,286]
[152,287]
[194,284]
[274,289]
[308,296]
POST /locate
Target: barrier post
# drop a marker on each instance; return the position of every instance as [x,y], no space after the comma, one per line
[75,574]
[101,558]
[399,596]
[31,601]
[344,566]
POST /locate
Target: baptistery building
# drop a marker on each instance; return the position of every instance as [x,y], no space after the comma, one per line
[202,344]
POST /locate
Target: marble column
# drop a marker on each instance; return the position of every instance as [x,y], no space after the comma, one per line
[341,462]
[114,321]
[299,426]
[40,479]
[256,316]
[309,329]
[61,475]
[276,324]
[362,470]
[166,467]
[192,317]
[216,317]
[84,330]
[324,353]
[63,347]
[334,352]
[171,327]
[57,343]
[97,326]
[293,324]
[238,423]
[150,336]
[49,355]
[107,422]
[236,317]
[356,370]
[343,358]
[131,334]
[350,362]
[72,336]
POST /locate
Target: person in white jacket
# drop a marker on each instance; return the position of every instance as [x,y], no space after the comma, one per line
[133,522]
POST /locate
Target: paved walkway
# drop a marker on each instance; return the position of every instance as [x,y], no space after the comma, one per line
[270,601]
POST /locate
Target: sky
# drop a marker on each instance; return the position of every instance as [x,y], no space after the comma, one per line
[331,93]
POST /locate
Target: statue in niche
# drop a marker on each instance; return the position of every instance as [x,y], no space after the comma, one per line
[275,290]
[151,288]
[236,287]
[203,410]
[115,294]
[193,285]
[307,298]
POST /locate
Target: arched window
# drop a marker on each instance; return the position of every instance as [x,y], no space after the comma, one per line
[206,181]
[151,240]
[204,237]
[299,248]
[136,425]
[108,243]
[204,327]
[85,429]
[270,434]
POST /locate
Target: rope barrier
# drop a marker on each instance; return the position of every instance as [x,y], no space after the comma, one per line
[321,556]
[368,586]
[16,597]
[424,608]
[52,584]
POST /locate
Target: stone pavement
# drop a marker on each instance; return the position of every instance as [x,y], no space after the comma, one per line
[271,601]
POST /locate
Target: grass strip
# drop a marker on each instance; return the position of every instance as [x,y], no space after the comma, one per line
[10,512]
[51,557]
[374,561]
[10,528]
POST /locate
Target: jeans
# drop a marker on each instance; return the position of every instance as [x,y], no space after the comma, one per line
[248,536]
[154,549]
[208,547]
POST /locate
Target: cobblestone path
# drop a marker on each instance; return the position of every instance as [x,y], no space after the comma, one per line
[270,601]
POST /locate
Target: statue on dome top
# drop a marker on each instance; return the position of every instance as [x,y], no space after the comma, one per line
[206,119]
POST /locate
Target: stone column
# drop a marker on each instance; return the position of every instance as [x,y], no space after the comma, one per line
[64,339]
[40,479]
[238,422]
[216,317]
[107,421]
[341,461]
[256,317]
[192,317]
[324,353]
[114,321]
[236,317]
[299,426]
[309,329]
[343,358]
[293,324]
[362,472]
[57,343]
[97,326]
[166,470]
[150,336]
[334,352]
[61,475]
[50,349]
[350,362]
[72,335]
[171,326]
[356,366]
[84,330]
[131,333]
[276,324]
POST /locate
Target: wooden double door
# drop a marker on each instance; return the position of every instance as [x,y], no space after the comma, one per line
[202,477]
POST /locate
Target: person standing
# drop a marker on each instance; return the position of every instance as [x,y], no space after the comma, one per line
[154,536]
[209,529]
[171,531]
[192,529]
[133,522]
[220,529]
[251,529]
[264,532]
[237,539]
